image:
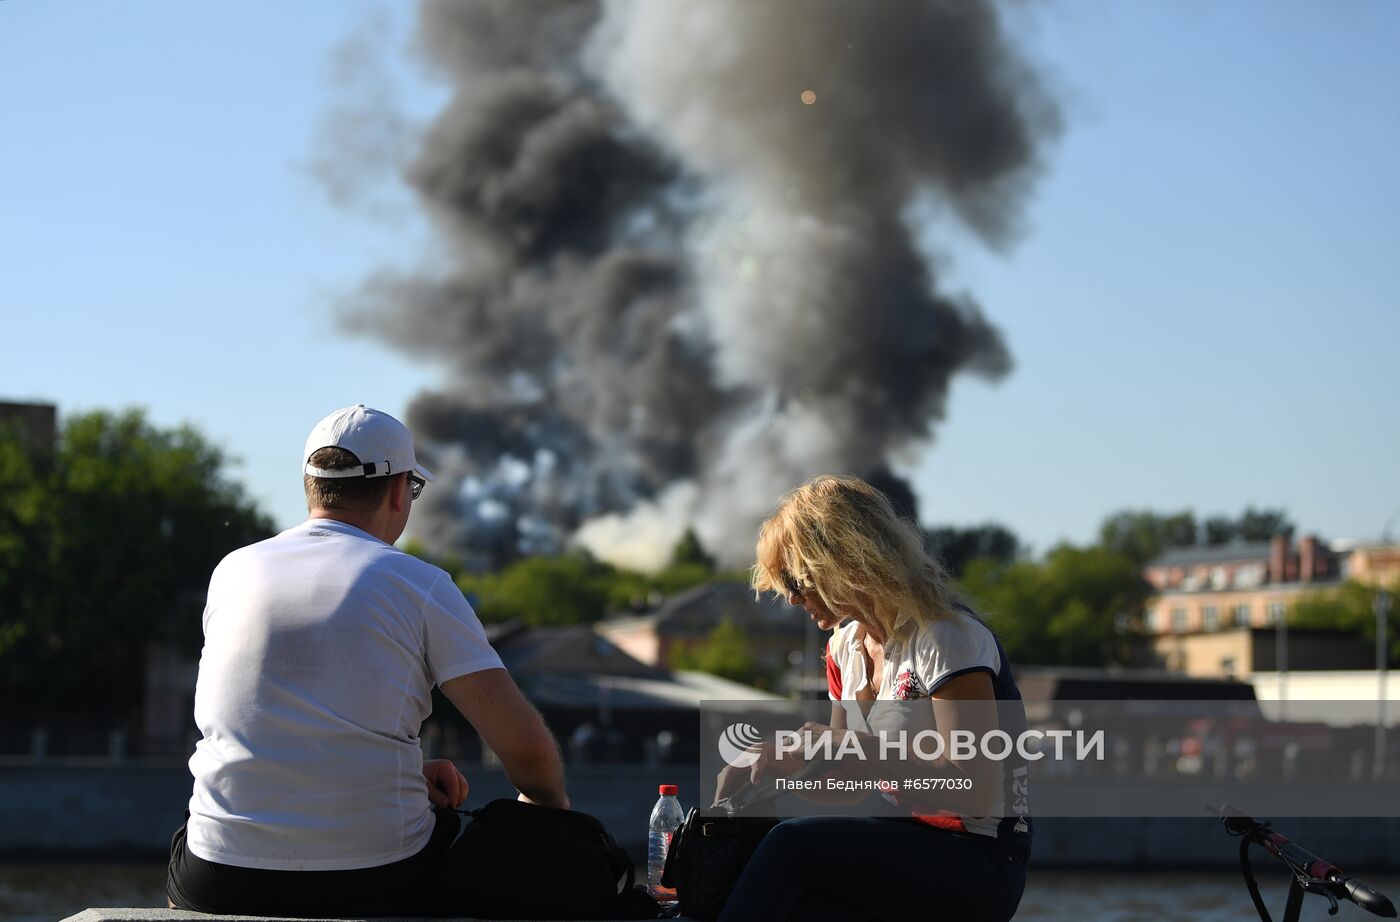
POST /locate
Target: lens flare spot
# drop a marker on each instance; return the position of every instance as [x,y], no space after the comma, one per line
[809,98]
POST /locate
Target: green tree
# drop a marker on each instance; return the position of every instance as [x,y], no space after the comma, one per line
[570,589]
[24,542]
[575,588]
[691,565]
[117,537]
[1141,535]
[958,547]
[1262,524]
[689,550]
[1073,609]
[680,577]
[725,652]
[1348,607]
[1220,529]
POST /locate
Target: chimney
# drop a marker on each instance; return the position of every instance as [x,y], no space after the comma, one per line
[1278,558]
[1307,564]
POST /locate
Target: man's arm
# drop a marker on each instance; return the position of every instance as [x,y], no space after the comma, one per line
[491,701]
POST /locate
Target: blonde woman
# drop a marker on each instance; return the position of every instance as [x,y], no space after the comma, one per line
[836,547]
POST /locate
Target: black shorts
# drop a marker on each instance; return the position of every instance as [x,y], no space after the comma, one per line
[404,888]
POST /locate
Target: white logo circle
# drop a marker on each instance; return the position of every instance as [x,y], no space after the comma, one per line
[735,743]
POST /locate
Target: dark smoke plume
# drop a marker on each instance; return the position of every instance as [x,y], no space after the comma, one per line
[682,276]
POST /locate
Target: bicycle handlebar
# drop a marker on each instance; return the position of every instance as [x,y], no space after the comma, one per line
[1366,898]
[1313,874]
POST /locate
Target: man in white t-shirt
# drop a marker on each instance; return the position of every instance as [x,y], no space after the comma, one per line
[321,649]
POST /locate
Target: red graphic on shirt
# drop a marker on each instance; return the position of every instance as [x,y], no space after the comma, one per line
[908,686]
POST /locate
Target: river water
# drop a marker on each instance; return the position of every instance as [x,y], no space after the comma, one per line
[31,892]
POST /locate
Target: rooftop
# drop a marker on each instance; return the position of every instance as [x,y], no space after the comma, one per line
[1237,551]
[701,608]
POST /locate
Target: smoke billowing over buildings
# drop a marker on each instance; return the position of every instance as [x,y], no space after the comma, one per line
[683,273]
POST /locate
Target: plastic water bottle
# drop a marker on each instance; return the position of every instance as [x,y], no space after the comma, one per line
[666,818]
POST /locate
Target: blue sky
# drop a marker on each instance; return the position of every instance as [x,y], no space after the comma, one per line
[1204,308]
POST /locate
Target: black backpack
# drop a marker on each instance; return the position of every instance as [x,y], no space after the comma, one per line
[529,861]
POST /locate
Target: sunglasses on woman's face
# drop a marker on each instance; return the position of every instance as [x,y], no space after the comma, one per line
[791,584]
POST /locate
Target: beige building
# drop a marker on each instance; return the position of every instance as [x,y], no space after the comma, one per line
[1245,652]
[1373,563]
[1216,608]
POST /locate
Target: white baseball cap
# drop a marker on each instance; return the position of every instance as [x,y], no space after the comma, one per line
[381,444]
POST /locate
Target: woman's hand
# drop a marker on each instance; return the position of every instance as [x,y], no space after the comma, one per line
[732,778]
[447,787]
[766,763]
[811,733]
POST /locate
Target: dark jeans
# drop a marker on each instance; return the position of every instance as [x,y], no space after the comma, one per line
[857,868]
[418,885]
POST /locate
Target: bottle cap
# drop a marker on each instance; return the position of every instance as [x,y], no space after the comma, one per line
[666,789]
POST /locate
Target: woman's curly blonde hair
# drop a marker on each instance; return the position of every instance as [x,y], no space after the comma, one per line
[840,538]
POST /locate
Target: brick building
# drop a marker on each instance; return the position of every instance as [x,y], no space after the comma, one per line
[1216,608]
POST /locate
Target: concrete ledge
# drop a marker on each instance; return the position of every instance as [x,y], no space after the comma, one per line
[180,915]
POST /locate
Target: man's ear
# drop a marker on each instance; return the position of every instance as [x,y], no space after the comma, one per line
[399,495]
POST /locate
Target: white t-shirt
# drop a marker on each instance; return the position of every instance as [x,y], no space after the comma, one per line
[321,649]
[937,652]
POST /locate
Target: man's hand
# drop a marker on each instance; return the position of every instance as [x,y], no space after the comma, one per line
[514,730]
[447,787]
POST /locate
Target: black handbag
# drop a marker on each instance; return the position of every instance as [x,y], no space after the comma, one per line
[528,861]
[709,852]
